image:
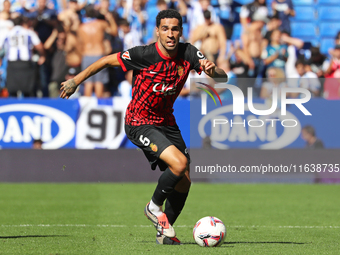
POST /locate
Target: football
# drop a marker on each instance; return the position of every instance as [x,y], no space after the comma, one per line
[209,232]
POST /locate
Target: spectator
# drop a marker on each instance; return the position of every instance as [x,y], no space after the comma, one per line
[332,74]
[137,17]
[37,144]
[59,67]
[334,67]
[92,47]
[337,38]
[253,17]
[285,10]
[307,79]
[5,26]
[19,43]
[276,52]
[312,142]
[317,61]
[273,24]
[129,38]
[5,14]
[69,17]
[195,13]
[294,45]
[45,20]
[239,67]
[276,79]
[213,38]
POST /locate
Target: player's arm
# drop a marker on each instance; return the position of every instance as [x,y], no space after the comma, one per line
[69,87]
[213,71]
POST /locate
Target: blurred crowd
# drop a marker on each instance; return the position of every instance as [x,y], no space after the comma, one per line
[44,42]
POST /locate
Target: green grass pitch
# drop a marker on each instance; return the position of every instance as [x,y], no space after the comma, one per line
[108,219]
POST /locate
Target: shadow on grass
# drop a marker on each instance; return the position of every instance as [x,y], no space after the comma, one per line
[31,236]
[227,244]
[262,243]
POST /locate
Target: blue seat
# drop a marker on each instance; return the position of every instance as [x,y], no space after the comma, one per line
[304,13]
[330,2]
[329,29]
[303,2]
[329,13]
[237,29]
[326,44]
[302,29]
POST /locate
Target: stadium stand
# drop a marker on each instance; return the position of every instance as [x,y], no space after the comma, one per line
[329,2]
[329,29]
[304,13]
[328,13]
[303,2]
[303,29]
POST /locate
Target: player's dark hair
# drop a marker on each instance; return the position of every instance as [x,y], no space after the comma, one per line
[309,129]
[207,14]
[169,14]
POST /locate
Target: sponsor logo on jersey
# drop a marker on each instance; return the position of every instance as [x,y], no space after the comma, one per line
[126,55]
[153,147]
[180,70]
[165,88]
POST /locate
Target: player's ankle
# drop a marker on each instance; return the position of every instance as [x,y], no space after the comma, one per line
[155,209]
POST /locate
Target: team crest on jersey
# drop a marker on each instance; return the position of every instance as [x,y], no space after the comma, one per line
[126,55]
[153,147]
[180,70]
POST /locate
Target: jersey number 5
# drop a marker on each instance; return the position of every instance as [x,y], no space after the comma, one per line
[144,140]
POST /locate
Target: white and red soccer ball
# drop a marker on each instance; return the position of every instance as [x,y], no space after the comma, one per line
[209,232]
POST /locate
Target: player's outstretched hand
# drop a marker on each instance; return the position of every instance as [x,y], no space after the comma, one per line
[68,88]
[208,67]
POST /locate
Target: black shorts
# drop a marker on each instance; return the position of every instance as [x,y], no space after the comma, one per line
[153,140]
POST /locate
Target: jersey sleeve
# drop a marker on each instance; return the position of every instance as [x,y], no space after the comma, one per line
[195,55]
[132,59]
[34,38]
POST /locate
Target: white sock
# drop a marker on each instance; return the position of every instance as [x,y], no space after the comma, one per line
[155,209]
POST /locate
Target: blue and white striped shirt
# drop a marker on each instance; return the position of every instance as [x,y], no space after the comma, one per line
[19,43]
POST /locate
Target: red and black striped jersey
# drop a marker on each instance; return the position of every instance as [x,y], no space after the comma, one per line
[157,81]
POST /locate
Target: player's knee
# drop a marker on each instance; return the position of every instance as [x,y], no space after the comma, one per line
[179,167]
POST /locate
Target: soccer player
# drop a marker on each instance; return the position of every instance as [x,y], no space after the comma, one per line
[159,73]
